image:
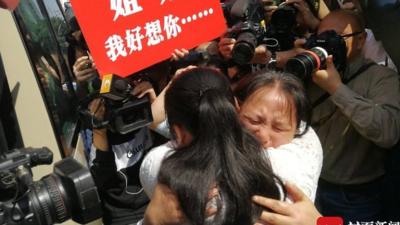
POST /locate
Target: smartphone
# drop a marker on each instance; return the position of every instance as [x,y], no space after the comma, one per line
[90,64]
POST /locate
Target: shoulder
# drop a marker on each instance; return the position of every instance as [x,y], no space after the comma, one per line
[378,73]
[299,162]
[304,150]
[305,146]
[151,166]
[381,82]
[308,142]
[157,154]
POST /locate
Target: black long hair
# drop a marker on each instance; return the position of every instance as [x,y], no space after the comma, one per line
[222,152]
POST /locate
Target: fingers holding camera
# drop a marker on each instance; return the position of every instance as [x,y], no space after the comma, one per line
[261,55]
[225,47]
[179,54]
[328,79]
[299,43]
[84,69]
[299,46]
[305,17]
[144,88]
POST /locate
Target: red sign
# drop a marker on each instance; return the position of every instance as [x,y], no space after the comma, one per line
[125,36]
[326,220]
[9,4]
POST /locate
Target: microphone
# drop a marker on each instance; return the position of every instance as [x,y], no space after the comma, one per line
[114,87]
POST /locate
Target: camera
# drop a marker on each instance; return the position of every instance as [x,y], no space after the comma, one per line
[281,26]
[320,46]
[68,192]
[246,19]
[124,112]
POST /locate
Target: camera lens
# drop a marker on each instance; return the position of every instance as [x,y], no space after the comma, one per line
[244,48]
[48,201]
[67,193]
[304,64]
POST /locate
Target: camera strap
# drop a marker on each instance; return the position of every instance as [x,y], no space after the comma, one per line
[345,81]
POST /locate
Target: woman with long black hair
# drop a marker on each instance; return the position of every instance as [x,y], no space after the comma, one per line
[211,149]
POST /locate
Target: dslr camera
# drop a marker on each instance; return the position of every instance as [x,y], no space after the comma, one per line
[68,192]
[124,112]
[246,20]
[281,26]
[319,46]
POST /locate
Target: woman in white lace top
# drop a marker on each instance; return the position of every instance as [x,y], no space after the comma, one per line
[276,111]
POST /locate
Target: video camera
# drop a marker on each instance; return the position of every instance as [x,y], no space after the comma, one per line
[124,112]
[319,47]
[68,192]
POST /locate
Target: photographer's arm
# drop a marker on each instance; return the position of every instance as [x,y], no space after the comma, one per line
[157,109]
[104,168]
[97,109]
[375,115]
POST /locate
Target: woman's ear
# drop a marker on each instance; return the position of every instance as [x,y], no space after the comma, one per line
[361,40]
[237,105]
[177,133]
[182,136]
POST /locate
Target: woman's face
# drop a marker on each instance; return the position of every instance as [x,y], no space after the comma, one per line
[270,116]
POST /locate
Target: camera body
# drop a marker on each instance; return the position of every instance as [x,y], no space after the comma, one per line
[248,36]
[246,18]
[320,46]
[124,112]
[68,192]
[281,27]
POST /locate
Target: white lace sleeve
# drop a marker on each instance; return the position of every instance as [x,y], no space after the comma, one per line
[299,162]
[163,129]
[151,166]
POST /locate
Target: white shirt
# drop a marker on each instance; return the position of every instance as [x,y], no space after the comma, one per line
[375,51]
[299,162]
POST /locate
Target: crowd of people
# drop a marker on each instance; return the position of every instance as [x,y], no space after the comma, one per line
[253,144]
